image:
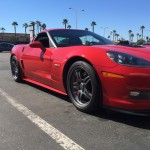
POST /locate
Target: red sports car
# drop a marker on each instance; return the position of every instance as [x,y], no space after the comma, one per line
[93,71]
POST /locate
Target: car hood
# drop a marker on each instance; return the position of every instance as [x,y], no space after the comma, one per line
[141,52]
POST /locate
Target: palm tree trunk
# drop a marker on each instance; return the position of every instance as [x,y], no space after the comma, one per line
[93,28]
[142,33]
[15,33]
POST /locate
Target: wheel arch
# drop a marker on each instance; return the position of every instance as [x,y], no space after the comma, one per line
[68,65]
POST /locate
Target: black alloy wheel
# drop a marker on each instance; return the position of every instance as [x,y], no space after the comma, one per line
[83,86]
[15,69]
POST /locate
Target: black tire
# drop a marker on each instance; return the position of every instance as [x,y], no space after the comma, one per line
[83,87]
[15,69]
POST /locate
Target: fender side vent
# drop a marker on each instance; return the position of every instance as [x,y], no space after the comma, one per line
[22,64]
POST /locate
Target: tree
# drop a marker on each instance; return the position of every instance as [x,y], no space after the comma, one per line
[43,26]
[132,35]
[114,33]
[69,26]
[38,25]
[140,42]
[130,31]
[137,36]
[147,38]
[86,29]
[65,22]
[33,25]
[3,29]
[15,24]
[25,25]
[93,24]
[142,28]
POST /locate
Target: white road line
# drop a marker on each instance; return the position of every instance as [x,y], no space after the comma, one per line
[55,134]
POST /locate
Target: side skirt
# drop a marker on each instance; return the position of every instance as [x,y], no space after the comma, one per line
[43,85]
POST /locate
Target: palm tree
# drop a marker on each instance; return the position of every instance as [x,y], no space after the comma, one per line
[108,36]
[130,31]
[38,25]
[69,26]
[147,38]
[93,24]
[142,28]
[33,25]
[65,22]
[132,35]
[25,25]
[114,33]
[137,36]
[15,24]
[86,29]
[43,26]
[3,29]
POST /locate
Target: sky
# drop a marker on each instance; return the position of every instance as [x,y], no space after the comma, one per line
[119,15]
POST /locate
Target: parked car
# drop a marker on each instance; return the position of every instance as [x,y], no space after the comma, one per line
[5,46]
[90,69]
[147,45]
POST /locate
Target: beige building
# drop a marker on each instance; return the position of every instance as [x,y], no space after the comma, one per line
[16,39]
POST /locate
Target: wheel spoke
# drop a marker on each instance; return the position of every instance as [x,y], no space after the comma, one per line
[76,85]
[16,71]
[78,75]
[87,80]
[81,86]
[87,94]
[80,96]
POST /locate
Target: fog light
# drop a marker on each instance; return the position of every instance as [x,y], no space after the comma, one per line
[133,93]
[142,95]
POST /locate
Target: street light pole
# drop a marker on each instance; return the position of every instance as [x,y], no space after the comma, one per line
[104,28]
[76,12]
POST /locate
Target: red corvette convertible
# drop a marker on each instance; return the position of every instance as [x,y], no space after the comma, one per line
[90,69]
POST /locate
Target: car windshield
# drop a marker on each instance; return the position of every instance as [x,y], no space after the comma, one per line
[68,37]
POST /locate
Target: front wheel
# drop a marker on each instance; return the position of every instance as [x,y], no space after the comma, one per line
[83,86]
[15,69]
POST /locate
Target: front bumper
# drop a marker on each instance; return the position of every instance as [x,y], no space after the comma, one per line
[131,93]
[130,112]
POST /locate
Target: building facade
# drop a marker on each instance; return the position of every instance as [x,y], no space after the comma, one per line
[17,38]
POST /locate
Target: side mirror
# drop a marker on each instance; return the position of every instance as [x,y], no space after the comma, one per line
[36,44]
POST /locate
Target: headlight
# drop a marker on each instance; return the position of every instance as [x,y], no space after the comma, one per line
[128,60]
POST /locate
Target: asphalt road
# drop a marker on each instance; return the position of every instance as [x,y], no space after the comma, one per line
[22,104]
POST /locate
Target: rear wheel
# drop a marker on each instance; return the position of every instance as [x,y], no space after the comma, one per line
[83,87]
[15,69]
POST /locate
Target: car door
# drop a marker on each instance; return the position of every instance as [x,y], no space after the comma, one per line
[37,63]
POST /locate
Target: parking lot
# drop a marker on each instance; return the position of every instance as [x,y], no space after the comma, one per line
[34,118]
